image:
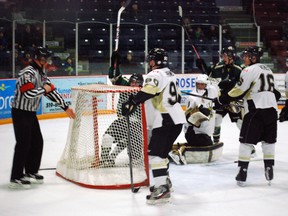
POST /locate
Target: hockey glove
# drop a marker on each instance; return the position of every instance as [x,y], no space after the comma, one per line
[217,104]
[277,94]
[226,85]
[129,106]
[283,116]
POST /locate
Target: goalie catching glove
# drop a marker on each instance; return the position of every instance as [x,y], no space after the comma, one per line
[195,116]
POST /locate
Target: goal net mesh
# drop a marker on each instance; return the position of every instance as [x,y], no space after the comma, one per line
[96,154]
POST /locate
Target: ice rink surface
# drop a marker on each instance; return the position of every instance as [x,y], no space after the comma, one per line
[199,189]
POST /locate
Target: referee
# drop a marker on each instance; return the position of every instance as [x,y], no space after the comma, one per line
[31,84]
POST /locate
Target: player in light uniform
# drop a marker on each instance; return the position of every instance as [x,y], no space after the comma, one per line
[200,124]
[284,112]
[164,116]
[256,86]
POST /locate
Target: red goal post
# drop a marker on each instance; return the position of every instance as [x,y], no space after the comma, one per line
[96,154]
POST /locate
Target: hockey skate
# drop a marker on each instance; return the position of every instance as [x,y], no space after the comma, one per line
[269,174]
[182,158]
[241,177]
[34,178]
[21,183]
[168,182]
[175,157]
[159,195]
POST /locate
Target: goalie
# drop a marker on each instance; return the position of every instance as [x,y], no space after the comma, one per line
[112,134]
[200,125]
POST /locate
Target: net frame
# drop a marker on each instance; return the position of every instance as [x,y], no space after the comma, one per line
[96,91]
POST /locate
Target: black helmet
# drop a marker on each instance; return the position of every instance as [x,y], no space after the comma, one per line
[159,55]
[42,52]
[136,77]
[253,51]
[230,51]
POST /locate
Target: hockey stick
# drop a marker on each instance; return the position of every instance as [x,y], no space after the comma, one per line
[133,188]
[50,168]
[229,162]
[118,23]
[196,95]
[207,98]
[186,32]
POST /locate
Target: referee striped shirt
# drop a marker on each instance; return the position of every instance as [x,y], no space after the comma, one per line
[29,90]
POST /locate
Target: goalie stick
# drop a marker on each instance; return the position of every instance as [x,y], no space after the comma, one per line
[133,188]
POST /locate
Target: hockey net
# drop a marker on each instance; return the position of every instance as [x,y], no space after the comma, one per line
[96,154]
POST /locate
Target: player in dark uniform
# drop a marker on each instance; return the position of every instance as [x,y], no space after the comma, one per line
[112,134]
[226,74]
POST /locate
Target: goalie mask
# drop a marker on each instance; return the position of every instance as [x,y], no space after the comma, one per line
[159,55]
[201,83]
[136,80]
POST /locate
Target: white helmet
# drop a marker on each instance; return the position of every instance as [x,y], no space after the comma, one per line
[203,78]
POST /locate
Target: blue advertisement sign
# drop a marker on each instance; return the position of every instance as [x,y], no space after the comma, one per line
[7,88]
[63,86]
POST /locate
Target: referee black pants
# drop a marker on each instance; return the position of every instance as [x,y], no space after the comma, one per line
[29,143]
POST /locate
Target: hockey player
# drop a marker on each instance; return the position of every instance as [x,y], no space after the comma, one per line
[284,112]
[200,119]
[256,86]
[115,74]
[31,84]
[164,116]
[112,135]
[226,73]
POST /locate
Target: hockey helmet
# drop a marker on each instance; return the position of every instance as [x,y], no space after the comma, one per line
[203,78]
[159,55]
[42,52]
[230,51]
[253,51]
[136,78]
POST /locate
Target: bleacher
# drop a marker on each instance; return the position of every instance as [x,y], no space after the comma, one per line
[95,17]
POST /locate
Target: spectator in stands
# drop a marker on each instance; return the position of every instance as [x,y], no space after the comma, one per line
[199,34]
[285,30]
[188,26]
[26,60]
[28,38]
[69,67]
[227,34]
[213,33]
[135,13]
[4,56]
[16,14]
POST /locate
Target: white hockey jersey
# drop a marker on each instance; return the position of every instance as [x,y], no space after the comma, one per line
[206,127]
[257,81]
[162,83]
